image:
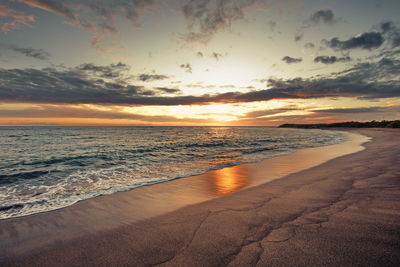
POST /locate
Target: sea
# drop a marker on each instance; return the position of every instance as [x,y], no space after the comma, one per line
[44,168]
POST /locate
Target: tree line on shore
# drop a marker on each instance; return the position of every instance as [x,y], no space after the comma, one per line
[348,124]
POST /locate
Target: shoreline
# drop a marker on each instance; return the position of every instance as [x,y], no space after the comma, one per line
[96,233]
[350,139]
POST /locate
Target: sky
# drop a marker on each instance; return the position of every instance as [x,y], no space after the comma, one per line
[198,62]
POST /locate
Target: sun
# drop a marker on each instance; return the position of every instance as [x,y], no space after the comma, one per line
[222,76]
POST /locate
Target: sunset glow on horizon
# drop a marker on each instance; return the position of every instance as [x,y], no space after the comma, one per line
[186,62]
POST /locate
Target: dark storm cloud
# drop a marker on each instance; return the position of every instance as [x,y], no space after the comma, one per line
[290,60]
[29,52]
[205,18]
[74,86]
[187,67]
[331,59]
[367,40]
[151,77]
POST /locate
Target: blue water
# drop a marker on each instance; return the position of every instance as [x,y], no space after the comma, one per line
[45,168]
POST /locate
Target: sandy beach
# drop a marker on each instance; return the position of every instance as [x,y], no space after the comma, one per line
[341,212]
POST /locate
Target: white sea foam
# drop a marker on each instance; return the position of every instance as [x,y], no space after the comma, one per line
[57,167]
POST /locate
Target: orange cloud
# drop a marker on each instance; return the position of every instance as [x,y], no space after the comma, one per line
[81,115]
[97,16]
[13,19]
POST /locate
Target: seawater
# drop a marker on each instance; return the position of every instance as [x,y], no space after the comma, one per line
[45,168]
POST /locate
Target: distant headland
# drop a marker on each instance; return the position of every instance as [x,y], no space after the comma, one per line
[349,124]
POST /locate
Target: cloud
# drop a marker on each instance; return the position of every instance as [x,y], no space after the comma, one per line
[151,77]
[298,37]
[11,19]
[388,53]
[362,113]
[331,59]
[210,86]
[309,115]
[268,112]
[371,80]
[271,25]
[61,8]
[205,18]
[96,16]
[201,85]
[290,60]
[322,16]
[168,90]
[309,45]
[84,83]
[392,33]
[52,111]
[111,71]
[187,67]
[216,56]
[387,26]
[396,41]
[385,35]
[281,115]
[352,110]
[367,40]
[29,52]
[227,86]
[364,80]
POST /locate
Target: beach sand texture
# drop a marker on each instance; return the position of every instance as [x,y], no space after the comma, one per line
[344,212]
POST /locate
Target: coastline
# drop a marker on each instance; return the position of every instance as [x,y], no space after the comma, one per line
[236,223]
[351,144]
[82,180]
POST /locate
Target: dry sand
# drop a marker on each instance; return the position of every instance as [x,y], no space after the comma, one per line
[345,212]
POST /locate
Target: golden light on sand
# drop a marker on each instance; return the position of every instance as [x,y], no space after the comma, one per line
[228,180]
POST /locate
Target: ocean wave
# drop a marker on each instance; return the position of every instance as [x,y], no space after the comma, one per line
[60,172]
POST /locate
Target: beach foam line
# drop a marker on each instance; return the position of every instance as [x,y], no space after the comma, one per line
[109,212]
[52,198]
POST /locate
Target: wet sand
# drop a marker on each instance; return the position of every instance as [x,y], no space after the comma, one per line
[343,212]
